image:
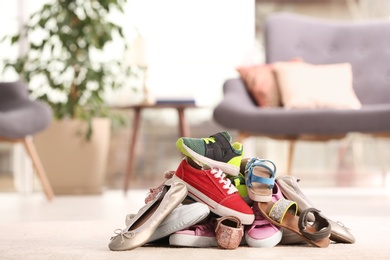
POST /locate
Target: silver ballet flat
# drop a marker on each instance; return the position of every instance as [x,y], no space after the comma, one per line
[149,217]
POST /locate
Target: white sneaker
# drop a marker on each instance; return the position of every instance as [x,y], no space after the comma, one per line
[182,217]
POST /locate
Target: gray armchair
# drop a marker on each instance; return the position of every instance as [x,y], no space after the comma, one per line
[365,45]
[20,119]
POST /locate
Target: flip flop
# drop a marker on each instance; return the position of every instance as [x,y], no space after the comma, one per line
[291,191]
[283,214]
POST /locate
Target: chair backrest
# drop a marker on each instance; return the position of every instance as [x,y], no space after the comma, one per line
[364,44]
[21,116]
[10,91]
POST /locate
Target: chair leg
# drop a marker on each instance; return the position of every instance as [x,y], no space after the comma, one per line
[382,159]
[290,157]
[30,148]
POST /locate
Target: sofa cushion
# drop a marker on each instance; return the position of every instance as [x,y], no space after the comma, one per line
[260,82]
[304,85]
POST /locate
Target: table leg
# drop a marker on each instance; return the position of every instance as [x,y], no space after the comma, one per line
[183,126]
[132,145]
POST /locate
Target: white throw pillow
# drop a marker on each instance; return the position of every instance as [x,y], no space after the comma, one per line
[304,85]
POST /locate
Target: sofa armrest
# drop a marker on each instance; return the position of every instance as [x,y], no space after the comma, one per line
[236,103]
[235,91]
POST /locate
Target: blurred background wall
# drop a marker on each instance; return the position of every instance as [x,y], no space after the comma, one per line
[192,48]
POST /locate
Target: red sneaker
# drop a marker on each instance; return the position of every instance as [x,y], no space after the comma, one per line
[215,190]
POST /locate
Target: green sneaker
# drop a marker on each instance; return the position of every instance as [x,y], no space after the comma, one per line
[215,151]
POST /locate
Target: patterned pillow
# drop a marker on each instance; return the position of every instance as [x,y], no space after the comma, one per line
[261,84]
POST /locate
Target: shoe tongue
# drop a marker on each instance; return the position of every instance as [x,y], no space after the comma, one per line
[227,136]
[224,134]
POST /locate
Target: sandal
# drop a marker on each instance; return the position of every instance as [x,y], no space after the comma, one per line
[291,191]
[283,214]
[260,179]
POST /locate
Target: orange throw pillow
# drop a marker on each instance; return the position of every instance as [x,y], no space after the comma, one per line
[261,84]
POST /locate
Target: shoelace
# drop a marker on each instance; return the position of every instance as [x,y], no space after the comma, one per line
[218,174]
[123,234]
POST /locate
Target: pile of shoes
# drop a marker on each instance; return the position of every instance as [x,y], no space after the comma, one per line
[217,198]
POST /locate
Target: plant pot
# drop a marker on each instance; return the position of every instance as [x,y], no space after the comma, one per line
[73,164]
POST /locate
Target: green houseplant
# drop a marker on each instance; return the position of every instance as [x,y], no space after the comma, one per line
[66,65]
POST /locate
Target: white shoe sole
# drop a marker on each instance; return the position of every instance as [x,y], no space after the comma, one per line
[192,241]
[267,242]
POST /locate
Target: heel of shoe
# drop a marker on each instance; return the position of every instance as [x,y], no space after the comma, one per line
[259,198]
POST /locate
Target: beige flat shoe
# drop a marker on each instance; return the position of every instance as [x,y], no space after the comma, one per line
[145,222]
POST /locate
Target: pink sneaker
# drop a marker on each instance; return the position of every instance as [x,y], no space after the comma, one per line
[199,235]
[276,193]
[262,233]
[215,190]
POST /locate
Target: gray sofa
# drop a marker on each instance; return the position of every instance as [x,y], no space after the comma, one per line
[366,45]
